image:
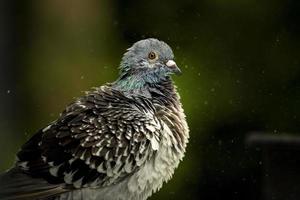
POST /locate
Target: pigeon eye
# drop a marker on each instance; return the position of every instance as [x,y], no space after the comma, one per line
[152,55]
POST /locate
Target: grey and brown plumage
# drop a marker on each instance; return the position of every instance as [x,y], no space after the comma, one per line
[120,141]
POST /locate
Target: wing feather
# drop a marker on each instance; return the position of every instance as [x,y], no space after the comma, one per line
[98,140]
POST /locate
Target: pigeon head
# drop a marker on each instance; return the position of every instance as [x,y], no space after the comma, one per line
[148,61]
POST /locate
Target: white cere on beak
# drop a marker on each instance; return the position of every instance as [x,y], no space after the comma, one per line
[171,63]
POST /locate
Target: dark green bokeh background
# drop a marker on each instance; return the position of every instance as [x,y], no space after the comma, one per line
[240,63]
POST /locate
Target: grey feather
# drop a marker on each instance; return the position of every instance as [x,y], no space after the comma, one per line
[37,188]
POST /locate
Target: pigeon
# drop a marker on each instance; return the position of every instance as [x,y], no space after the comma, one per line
[120,141]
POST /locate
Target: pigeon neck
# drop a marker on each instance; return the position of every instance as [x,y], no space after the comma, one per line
[138,86]
[130,84]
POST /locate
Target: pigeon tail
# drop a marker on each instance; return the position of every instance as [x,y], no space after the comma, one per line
[16,185]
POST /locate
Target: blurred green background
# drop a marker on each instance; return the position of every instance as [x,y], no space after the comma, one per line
[240,63]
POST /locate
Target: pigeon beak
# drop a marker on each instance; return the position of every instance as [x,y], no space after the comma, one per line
[171,64]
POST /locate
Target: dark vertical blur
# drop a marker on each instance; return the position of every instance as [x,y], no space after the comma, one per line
[12,42]
[240,63]
[7,58]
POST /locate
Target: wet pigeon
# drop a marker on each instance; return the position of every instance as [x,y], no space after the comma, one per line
[121,141]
